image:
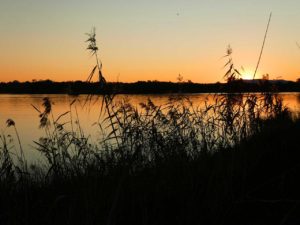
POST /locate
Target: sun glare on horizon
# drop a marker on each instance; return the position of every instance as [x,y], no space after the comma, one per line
[247,75]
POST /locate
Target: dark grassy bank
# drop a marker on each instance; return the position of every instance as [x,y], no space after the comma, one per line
[256,182]
[145,87]
[165,165]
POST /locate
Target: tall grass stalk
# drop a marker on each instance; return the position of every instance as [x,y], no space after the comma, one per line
[263,45]
[107,97]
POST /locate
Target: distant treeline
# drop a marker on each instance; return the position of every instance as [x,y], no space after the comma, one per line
[146,87]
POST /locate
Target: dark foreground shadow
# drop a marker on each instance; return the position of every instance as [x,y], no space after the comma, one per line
[256,182]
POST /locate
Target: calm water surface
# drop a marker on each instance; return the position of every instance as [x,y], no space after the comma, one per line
[20,109]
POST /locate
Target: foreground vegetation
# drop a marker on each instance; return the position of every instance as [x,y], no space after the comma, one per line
[233,162]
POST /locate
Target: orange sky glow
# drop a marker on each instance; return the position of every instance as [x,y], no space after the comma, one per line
[148,40]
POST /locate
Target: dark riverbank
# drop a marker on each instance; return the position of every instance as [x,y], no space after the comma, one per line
[146,87]
[256,182]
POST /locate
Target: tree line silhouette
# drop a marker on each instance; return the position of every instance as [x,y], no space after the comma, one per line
[147,87]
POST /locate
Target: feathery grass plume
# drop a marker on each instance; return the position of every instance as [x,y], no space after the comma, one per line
[93,48]
[10,122]
[107,97]
[92,41]
[232,73]
[44,115]
[232,102]
[65,150]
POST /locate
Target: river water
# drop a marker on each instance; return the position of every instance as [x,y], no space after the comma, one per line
[20,109]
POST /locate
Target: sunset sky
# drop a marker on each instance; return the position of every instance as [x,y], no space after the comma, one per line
[147,40]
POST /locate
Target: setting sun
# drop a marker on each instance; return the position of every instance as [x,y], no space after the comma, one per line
[247,75]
